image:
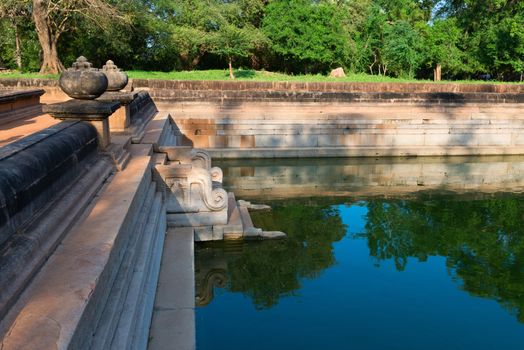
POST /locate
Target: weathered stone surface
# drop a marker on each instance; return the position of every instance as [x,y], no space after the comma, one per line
[273,235]
[203,234]
[22,255]
[337,73]
[73,286]
[173,324]
[82,81]
[251,206]
[117,79]
[229,86]
[123,97]
[12,96]
[82,110]
[34,169]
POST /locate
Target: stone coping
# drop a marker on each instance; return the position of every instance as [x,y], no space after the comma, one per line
[7,96]
[73,282]
[30,140]
[81,109]
[229,96]
[326,86]
[34,169]
[288,86]
[123,97]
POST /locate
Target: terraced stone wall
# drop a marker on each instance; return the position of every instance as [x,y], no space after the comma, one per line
[249,122]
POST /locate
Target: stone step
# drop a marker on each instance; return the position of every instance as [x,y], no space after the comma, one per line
[173,322]
[135,294]
[115,303]
[141,333]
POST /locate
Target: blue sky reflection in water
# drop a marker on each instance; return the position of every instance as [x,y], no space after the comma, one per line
[433,274]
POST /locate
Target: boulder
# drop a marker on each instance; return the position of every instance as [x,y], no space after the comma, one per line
[337,73]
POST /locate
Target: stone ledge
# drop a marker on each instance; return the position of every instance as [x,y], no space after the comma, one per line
[200,85]
[82,109]
[7,96]
[311,152]
[232,97]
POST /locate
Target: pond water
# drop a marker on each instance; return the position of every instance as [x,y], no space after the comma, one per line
[380,254]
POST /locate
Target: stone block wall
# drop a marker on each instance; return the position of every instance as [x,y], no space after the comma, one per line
[267,124]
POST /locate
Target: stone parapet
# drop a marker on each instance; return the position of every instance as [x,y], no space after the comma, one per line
[19,104]
[35,169]
[202,85]
[46,182]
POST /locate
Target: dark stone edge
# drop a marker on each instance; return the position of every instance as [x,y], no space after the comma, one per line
[30,140]
[12,96]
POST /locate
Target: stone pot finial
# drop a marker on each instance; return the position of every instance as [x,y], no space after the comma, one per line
[117,79]
[82,81]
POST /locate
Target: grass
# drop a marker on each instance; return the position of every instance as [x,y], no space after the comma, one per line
[252,75]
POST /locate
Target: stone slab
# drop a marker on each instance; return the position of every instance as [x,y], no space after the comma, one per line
[81,109]
[173,324]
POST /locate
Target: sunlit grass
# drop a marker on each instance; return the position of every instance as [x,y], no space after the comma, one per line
[252,75]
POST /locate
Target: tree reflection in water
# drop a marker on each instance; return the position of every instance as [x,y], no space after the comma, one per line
[482,240]
[268,270]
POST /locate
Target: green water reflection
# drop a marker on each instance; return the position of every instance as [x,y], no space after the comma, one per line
[266,271]
[481,240]
[381,254]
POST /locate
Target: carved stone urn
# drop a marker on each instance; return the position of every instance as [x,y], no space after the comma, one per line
[116,77]
[82,81]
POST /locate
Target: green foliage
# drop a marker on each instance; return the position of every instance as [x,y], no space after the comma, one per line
[396,38]
[442,46]
[402,51]
[232,42]
[308,36]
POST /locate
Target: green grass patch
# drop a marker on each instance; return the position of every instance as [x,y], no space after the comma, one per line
[252,75]
[17,75]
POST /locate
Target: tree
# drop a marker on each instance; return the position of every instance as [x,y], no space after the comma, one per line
[371,41]
[307,35]
[54,17]
[442,41]
[493,35]
[232,42]
[402,49]
[16,11]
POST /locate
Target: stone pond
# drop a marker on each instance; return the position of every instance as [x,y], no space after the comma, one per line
[114,215]
[381,254]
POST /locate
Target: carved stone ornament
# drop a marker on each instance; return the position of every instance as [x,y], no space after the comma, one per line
[82,81]
[117,79]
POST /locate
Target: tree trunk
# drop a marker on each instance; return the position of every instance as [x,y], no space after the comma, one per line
[50,62]
[231,75]
[437,73]
[18,50]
